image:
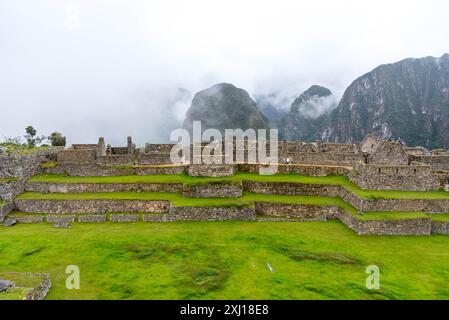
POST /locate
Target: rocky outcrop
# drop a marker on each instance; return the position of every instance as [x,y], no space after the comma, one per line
[407,100]
[306,114]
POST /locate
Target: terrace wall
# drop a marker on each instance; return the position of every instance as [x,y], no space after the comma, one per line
[153,158]
[212,190]
[327,158]
[90,206]
[305,170]
[211,170]
[96,170]
[212,213]
[5,209]
[290,188]
[88,218]
[414,227]
[440,227]
[44,187]
[306,212]
[115,160]
[21,167]
[302,212]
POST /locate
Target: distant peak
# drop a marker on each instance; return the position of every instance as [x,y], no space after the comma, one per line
[319,91]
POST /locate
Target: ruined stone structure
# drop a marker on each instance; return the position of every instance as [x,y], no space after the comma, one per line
[373,164]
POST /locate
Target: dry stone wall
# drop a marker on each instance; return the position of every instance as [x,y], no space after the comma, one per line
[421,205]
[381,177]
[327,158]
[20,168]
[212,213]
[118,217]
[115,160]
[78,156]
[440,227]
[90,206]
[305,170]
[388,227]
[200,170]
[290,188]
[30,218]
[303,212]
[45,187]
[88,218]
[5,208]
[213,190]
[61,218]
[97,170]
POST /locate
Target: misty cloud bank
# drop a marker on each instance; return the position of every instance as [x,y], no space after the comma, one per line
[118,68]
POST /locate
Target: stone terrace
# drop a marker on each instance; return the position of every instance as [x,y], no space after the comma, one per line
[315,182]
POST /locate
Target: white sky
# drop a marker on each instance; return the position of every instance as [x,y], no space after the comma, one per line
[104,67]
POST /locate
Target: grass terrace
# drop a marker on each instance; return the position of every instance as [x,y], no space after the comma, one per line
[177,199]
[21,150]
[248,199]
[48,164]
[240,176]
[227,260]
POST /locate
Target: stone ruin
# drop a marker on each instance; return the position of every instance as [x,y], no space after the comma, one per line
[373,164]
[376,164]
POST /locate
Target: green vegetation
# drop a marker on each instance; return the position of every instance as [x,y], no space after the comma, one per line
[440,217]
[21,150]
[15,294]
[6,180]
[295,178]
[227,260]
[24,283]
[48,164]
[57,139]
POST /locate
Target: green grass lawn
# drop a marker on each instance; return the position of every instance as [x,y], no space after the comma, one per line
[7,180]
[21,150]
[240,176]
[440,217]
[227,260]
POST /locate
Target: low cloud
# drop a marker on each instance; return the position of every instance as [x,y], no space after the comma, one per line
[114,68]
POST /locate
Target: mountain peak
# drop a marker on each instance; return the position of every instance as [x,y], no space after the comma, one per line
[224,106]
[407,99]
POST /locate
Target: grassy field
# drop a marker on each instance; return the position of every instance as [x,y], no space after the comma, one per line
[184,178]
[227,260]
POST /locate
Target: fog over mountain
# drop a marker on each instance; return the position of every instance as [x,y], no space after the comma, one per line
[118,68]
